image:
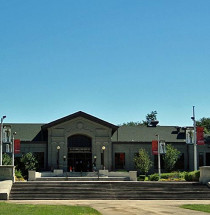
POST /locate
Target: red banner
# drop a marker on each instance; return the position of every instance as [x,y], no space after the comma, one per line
[17,146]
[200,137]
[154,147]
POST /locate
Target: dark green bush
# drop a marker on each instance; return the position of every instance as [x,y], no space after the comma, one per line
[154,177]
[173,175]
[141,177]
[18,174]
[192,176]
[6,159]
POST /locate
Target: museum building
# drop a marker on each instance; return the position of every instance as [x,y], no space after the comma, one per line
[82,142]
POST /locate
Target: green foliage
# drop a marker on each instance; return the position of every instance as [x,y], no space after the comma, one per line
[150,117]
[30,162]
[132,123]
[170,158]
[154,177]
[143,162]
[6,159]
[18,173]
[205,123]
[192,176]
[173,176]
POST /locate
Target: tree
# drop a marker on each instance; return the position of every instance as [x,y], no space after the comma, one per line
[6,159]
[30,162]
[132,123]
[170,158]
[150,117]
[205,123]
[142,161]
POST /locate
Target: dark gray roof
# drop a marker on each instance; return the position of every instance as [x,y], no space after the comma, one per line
[147,134]
[26,132]
[33,132]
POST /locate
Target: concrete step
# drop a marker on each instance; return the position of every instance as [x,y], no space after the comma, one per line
[108,190]
[83,179]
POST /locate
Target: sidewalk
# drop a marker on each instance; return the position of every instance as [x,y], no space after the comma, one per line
[127,207]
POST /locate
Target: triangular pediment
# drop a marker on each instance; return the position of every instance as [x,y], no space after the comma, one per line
[80,114]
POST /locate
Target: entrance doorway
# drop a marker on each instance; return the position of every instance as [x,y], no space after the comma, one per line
[80,162]
[80,153]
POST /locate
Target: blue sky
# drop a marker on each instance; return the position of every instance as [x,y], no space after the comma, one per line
[117,60]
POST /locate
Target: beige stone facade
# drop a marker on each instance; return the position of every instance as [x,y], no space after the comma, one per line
[99,134]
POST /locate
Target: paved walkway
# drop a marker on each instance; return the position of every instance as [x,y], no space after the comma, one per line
[128,207]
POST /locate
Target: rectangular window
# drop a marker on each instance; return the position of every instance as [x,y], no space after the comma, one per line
[119,160]
[207,159]
[201,161]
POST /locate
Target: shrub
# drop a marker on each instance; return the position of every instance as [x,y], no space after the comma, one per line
[170,158]
[154,177]
[142,161]
[18,176]
[30,163]
[174,176]
[192,176]
[6,159]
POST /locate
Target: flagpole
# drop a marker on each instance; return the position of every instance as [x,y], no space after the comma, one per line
[159,167]
[195,140]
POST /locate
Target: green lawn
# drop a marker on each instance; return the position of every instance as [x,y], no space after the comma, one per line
[203,208]
[23,209]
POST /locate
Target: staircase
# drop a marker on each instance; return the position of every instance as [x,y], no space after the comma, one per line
[71,190]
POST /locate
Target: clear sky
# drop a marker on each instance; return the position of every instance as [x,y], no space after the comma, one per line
[115,59]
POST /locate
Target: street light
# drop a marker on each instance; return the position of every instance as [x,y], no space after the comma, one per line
[1,141]
[94,163]
[195,135]
[13,148]
[64,160]
[58,151]
[103,148]
[159,167]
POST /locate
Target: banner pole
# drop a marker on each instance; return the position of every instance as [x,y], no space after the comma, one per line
[195,140]
[159,165]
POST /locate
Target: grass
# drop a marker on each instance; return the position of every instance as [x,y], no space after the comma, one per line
[197,207]
[24,209]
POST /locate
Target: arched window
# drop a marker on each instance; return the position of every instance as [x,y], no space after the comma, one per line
[79,140]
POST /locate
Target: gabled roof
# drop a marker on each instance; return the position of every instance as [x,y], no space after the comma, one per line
[84,115]
[147,134]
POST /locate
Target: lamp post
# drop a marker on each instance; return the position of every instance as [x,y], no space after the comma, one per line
[103,148]
[1,141]
[95,159]
[195,140]
[58,156]
[94,163]
[159,165]
[64,160]
[13,148]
